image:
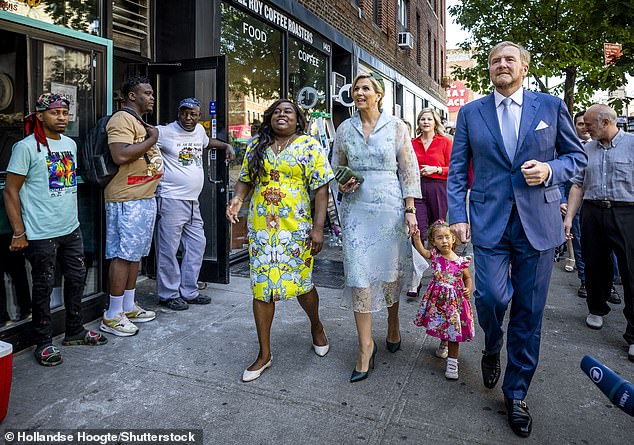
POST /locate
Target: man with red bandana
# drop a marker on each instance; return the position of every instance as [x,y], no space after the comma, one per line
[41,203]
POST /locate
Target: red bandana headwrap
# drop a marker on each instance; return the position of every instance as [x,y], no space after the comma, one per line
[32,125]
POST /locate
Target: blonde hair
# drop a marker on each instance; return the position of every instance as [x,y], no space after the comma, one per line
[525,56]
[439,128]
[378,88]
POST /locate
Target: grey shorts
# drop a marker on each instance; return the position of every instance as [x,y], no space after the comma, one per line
[129,228]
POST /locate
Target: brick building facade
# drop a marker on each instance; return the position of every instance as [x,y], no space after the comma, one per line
[424,64]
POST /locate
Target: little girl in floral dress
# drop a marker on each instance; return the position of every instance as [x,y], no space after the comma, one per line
[445,310]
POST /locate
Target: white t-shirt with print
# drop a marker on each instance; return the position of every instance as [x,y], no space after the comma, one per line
[183,175]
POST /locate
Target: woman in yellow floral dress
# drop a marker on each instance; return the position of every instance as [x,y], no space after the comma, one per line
[281,166]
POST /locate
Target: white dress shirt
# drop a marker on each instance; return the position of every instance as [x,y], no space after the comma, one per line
[517,98]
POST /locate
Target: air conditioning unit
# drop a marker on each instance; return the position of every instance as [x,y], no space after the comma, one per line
[405,40]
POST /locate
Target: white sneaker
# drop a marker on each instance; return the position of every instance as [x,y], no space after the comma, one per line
[594,321]
[451,372]
[443,349]
[630,353]
[119,325]
[140,315]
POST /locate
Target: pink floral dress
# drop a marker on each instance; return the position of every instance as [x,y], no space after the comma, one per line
[443,311]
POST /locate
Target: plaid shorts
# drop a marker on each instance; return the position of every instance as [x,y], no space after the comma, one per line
[129,228]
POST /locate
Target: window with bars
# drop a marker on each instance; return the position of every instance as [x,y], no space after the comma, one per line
[131,25]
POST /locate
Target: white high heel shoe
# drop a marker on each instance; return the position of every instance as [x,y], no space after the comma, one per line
[249,376]
[322,350]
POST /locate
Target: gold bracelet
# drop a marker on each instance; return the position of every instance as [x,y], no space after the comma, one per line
[239,199]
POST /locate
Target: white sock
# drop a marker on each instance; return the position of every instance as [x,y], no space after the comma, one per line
[115,307]
[128,300]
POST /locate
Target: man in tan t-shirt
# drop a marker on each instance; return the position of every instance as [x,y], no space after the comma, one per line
[130,204]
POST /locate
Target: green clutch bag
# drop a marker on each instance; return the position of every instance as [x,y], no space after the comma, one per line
[343,175]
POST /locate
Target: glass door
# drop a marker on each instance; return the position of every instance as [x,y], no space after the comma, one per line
[204,79]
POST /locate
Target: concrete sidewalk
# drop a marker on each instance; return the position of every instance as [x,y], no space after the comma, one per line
[183,371]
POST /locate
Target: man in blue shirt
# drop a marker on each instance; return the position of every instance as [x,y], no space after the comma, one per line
[41,203]
[606,187]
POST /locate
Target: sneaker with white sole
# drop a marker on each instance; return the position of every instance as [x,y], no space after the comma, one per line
[443,349]
[594,321]
[140,315]
[451,372]
[630,353]
[119,325]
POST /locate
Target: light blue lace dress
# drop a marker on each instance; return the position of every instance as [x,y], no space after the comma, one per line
[377,253]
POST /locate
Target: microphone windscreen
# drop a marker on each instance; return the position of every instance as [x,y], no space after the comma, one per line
[619,391]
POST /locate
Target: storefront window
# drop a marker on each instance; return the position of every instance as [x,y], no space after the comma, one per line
[307,75]
[409,110]
[254,58]
[78,15]
[68,71]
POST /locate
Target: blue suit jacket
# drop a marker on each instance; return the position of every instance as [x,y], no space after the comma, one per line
[498,181]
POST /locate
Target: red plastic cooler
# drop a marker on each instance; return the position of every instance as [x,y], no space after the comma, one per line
[6,365]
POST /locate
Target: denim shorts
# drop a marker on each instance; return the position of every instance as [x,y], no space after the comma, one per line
[129,228]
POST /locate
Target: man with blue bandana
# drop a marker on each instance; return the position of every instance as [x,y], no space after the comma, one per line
[179,222]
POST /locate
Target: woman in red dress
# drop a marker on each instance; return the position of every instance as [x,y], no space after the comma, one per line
[433,150]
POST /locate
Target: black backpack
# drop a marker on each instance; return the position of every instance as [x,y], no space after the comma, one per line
[96,165]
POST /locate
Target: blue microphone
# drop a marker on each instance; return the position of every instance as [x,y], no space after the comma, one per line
[619,391]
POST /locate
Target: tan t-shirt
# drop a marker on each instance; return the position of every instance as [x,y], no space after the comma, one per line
[137,179]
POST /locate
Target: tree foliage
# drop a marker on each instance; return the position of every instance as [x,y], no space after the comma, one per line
[565,39]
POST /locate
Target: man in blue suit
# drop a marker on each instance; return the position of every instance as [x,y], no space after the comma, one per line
[522,145]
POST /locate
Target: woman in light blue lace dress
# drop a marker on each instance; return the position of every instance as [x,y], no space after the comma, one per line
[378,215]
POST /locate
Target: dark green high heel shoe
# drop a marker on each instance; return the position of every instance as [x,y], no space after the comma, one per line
[357,376]
[393,347]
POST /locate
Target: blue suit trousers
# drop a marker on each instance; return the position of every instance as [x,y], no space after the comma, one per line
[513,272]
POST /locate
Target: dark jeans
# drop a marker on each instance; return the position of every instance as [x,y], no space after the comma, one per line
[14,264]
[604,231]
[43,255]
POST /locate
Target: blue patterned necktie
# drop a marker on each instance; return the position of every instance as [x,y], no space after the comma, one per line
[508,129]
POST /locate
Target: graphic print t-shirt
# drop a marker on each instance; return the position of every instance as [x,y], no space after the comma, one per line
[182,153]
[48,196]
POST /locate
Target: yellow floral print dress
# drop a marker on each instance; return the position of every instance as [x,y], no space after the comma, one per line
[280,220]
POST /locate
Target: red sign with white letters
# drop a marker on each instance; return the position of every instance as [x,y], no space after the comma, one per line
[457,96]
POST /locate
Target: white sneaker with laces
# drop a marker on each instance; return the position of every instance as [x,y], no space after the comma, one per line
[119,325]
[140,315]
[594,321]
[443,349]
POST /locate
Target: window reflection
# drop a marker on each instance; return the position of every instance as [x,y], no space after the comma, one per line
[254,58]
[307,75]
[68,71]
[80,15]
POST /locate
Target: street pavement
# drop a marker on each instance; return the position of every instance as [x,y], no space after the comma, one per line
[184,370]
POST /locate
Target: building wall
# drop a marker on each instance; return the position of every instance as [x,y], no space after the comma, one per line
[382,40]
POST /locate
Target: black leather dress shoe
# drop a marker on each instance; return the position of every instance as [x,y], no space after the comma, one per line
[520,419]
[490,365]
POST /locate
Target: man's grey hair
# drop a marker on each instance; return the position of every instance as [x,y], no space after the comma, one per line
[525,56]
[603,112]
